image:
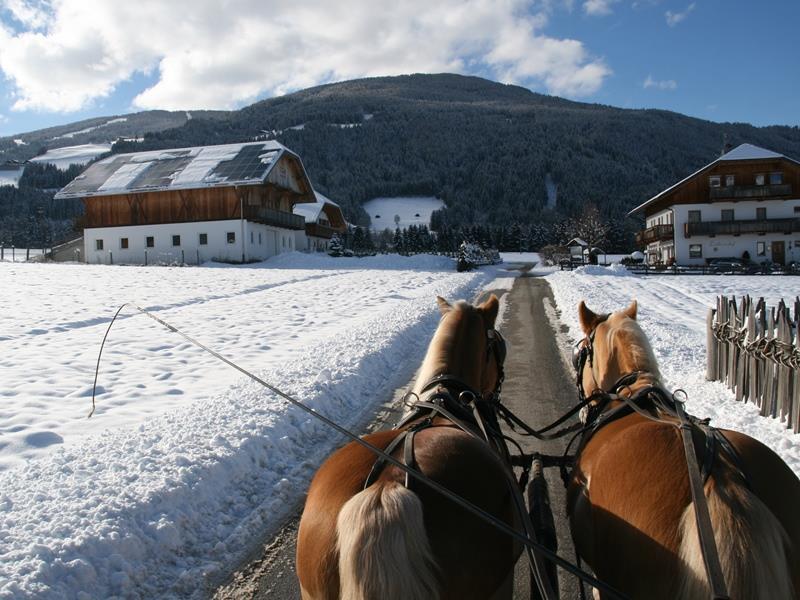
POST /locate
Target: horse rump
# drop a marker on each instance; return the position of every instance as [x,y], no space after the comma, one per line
[384,550]
[751,542]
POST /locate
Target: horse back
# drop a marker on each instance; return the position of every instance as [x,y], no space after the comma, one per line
[472,556]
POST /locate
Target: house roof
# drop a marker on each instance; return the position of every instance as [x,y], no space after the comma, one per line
[741,152]
[311,211]
[178,169]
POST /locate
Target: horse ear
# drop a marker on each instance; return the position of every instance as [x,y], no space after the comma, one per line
[587,318]
[444,305]
[490,309]
[631,310]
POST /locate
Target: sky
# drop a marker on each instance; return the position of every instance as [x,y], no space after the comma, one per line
[722,60]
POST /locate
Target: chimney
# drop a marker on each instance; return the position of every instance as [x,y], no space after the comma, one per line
[726,145]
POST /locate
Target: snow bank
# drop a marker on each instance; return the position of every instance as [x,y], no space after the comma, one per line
[672,312]
[187,462]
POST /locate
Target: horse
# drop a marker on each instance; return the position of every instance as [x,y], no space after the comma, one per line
[629,497]
[398,539]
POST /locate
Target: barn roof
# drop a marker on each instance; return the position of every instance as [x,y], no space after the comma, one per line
[741,152]
[178,169]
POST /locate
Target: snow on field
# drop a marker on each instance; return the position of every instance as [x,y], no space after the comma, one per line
[186,461]
[62,158]
[72,134]
[412,210]
[672,312]
[11,176]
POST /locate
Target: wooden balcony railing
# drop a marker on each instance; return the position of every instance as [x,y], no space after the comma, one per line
[741,227]
[657,233]
[277,218]
[743,192]
[318,230]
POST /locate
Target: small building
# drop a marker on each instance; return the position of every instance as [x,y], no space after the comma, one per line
[230,202]
[323,218]
[578,249]
[745,201]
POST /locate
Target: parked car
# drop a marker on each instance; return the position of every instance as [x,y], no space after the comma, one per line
[727,265]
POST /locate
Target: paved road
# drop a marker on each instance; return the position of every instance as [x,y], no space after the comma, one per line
[538,388]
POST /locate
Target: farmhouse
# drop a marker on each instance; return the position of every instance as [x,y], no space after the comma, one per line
[231,202]
[746,201]
[323,218]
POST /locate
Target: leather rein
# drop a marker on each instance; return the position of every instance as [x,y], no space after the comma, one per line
[657,404]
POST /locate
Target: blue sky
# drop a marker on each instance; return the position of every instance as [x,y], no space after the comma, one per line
[722,60]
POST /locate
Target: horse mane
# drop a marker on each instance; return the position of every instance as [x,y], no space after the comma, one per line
[444,339]
[638,353]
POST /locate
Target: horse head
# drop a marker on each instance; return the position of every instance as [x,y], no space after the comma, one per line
[614,346]
[466,346]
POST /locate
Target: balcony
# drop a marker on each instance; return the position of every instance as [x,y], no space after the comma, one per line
[276,218]
[657,233]
[741,227]
[747,192]
[318,230]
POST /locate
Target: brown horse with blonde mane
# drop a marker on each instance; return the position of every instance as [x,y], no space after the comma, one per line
[401,540]
[629,500]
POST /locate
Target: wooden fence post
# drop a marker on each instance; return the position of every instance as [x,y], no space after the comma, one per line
[712,349]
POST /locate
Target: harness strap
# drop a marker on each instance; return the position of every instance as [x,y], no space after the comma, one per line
[514,421]
[708,544]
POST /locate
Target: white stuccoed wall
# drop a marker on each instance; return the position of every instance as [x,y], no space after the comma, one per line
[264,242]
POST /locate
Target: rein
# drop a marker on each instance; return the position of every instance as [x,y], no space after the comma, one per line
[527,541]
[671,405]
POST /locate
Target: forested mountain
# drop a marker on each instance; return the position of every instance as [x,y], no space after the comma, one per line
[485,148]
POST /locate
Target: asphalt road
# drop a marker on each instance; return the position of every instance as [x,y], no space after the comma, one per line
[538,388]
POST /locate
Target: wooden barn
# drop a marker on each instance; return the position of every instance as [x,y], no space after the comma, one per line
[231,202]
[323,219]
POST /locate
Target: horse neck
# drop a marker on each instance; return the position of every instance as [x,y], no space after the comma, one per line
[450,353]
[637,357]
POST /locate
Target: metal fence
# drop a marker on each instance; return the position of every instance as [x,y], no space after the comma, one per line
[754,349]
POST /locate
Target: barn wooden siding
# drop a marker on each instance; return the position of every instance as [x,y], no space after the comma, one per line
[180,206]
[755,351]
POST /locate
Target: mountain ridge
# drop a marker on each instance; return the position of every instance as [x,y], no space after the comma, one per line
[485,148]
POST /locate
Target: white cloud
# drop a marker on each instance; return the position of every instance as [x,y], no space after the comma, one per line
[598,8]
[665,84]
[207,54]
[673,18]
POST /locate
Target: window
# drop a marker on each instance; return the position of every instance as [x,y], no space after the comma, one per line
[727,214]
[760,179]
[231,236]
[123,243]
[714,181]
[695,250]
[761,213]
[729,180]
[176,240]
[797,209]
[283,241]
[204,239]
[775,178]
[150,241]
[259,238]
[761,248]
[251,237]
[694,216]
[98,244]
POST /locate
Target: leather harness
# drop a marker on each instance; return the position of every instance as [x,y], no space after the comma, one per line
[657,404]
[454,400]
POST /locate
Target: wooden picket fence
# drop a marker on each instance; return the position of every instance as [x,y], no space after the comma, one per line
[755,350]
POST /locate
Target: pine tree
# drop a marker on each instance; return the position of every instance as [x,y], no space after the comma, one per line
[335,248]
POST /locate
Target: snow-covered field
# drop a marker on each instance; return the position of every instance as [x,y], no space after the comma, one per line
[62,158]
[185,461]
[412,210]
[672,312]
[11,176]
